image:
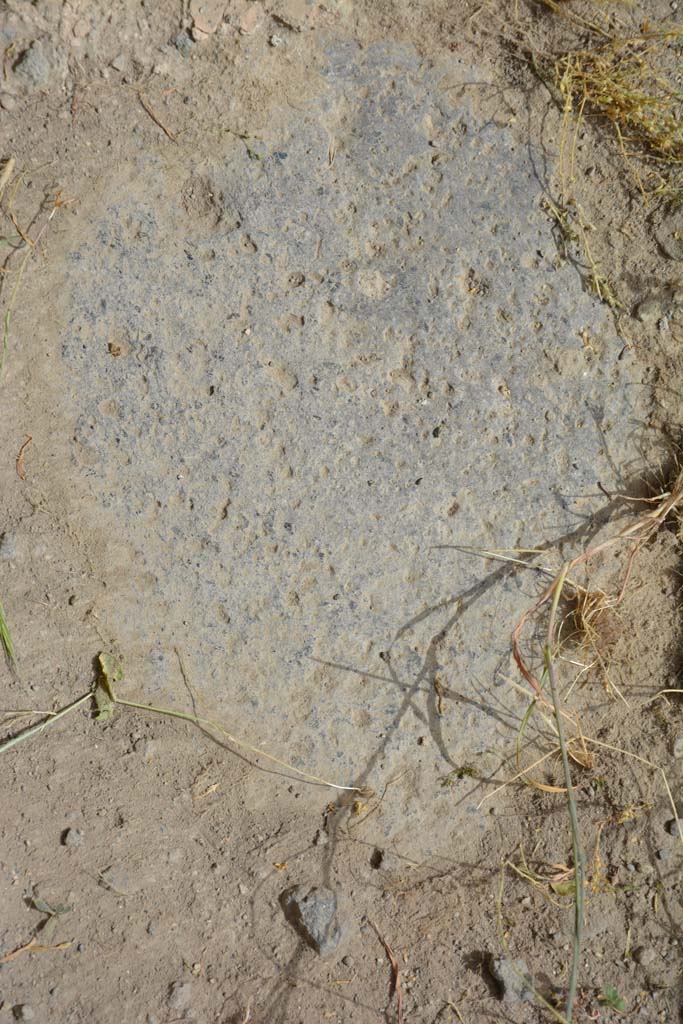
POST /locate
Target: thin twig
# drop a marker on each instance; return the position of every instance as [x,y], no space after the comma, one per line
[155,117]
[21,472]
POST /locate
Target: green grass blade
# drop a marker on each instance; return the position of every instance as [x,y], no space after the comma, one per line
[6,638]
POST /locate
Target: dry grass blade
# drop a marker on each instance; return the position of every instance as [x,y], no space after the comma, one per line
[620,80]
[29,246]
[21,469]
[396,983]
[33,946]
[103,695]
[209,724]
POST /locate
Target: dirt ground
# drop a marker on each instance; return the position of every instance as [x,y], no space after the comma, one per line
[168,851]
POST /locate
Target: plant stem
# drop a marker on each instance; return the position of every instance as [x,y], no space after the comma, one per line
[207,723]
[50,720]
[579,856]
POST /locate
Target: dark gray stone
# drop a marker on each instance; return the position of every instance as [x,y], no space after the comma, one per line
[34,66]
[312,912]
[513,979]
[179,995]
[72,838]
[672,826]
[8,545]
[183,43]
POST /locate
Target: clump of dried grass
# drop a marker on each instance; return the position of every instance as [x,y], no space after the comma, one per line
[625,82]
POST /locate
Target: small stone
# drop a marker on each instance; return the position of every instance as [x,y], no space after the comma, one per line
[644,955]
[207,15]
[7,101]
[23,1011]
[514,981]
[179,995]
[321,838]
[151,927]
[72,838]
[650,310]
[34,66]
[8,545]
[80,948]
[183,43]
[669,233]
[673,825]
[151,1019]
[348,961]
[251,19]
[119,63]
[662,854]
[312,912]
[117,880]
[81,29]
[276,41]
[677,748]
[146,748]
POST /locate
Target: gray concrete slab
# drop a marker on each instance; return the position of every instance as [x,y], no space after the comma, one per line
[299,363]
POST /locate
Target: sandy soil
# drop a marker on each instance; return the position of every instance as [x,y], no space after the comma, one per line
[171,849]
